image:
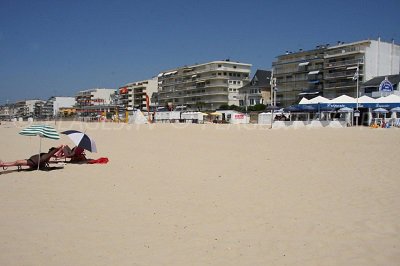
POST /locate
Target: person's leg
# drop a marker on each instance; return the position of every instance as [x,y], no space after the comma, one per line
[15,163]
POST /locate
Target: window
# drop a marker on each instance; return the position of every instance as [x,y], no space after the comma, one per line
[234,66]
[230,74]
[219,65]
[224,73]
[219,73]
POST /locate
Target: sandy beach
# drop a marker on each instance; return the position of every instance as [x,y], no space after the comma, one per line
[188,194]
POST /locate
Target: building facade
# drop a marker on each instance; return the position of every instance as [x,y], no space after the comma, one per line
[203,86]
[94,102]
[258,91]
[52,106]
[371,87]
[329,70]
[372,57]
[133,95]
[298,73]
[24,109]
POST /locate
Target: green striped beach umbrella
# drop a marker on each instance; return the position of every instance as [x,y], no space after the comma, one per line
[43,131]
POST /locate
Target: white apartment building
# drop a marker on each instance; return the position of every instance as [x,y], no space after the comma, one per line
[329,70]
[94,101]
[25,108]
[203,86]
[52,106]
[133,95]
[373,57]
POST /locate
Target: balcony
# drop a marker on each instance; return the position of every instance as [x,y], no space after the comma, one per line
[344,63]
[344,51]
[207,93]
[341,74]
[339,85]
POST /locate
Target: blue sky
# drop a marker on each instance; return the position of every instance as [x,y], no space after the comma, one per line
[55,47]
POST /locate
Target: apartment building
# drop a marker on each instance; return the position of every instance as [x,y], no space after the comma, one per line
[298,73]
[39,109]
[329,70]
[94,101]
[133,95]
[6,112]
[25,108]
[373,58]
[52,106]
[203,86]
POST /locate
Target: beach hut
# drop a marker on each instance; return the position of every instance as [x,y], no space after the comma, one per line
[234,117]
[264,118]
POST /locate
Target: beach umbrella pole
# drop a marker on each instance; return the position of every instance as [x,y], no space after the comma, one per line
[40,149]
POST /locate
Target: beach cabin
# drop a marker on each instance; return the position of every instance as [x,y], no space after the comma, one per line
[193,117]
[234,117]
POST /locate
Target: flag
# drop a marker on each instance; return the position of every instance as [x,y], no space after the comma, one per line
[355,77]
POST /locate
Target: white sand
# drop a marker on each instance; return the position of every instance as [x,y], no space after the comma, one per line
[206,195]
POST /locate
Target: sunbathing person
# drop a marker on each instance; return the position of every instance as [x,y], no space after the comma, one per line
[33,162]
[76,154]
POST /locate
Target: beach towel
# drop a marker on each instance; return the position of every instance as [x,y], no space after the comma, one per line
[102,160]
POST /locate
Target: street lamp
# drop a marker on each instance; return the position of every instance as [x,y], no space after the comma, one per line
[272,82]
[356,77]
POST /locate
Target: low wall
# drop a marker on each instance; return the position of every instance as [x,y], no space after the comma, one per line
[309,124]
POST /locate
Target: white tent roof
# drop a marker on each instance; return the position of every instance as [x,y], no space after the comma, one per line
[343,99]
[319,99]
[366,99]
[347,99]
[304,101]
[392,98]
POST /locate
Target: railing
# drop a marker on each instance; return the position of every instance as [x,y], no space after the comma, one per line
[207,93]
[296,70]
[344,63]
[344,50]
[341,74]
[340,85]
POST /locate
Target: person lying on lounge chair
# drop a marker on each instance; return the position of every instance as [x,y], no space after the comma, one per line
[33,161]
[75,154]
